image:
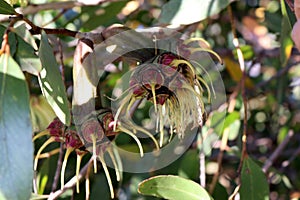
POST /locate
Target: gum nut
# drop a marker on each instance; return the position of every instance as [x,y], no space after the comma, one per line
[296,34]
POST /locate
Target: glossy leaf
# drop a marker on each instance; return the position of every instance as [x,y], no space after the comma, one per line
[190,11]
[6,9]
[15,132]
[51,82]
[173,187]
[254,182]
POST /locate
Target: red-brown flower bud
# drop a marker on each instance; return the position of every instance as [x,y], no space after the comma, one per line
[92,127]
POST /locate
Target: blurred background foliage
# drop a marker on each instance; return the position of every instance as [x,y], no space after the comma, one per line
[272,89]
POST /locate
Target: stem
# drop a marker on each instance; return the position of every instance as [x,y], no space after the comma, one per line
[276,153]
[243,89]
[230,109]
[71,183]
[58,168]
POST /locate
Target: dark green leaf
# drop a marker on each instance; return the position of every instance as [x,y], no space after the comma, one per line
[24,33]
[172,187]
[254,182]
[190,11]
[6,9]
[189,165]
[220,192]
[51,82]
[100,15]
[15,132]
[27,58]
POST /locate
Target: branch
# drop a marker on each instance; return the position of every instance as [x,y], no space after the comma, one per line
[280,73]
[58,168]
[275,154]
[35,8]
[71,182]
[224,141]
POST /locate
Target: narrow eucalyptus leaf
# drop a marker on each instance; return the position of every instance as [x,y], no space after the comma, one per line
[16,152]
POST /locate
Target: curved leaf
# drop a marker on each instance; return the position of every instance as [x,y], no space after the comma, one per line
[24,33]
[254,182]
[27,58]
[51,82]
[6,9]
[173,187]
[15,132]
[190,11]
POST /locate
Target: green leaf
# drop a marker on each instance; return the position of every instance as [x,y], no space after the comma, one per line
[51,82]
[189,165]
[233,122]
[41,113]
[220,192]
[105,15]
[15,132]
[190,11]
[173,187]
[6,9]
[254,182]
[285,36]
[24,33]
[247,50]
[27,58]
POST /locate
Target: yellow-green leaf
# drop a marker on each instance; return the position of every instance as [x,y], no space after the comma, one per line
[173,187]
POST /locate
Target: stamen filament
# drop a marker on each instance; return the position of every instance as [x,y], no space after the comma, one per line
[196,39]
[193,50]
[94,140]
[178,62]
[161,128]
[135,138]
[124,101]
[78,162]
[50,140]
[111,154]
[147,133]
[112,195]
[206,85]
[63,167]
[40,134]
[154,97]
